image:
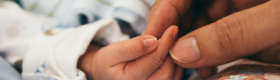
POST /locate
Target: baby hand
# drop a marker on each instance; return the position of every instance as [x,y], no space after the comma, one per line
[136,59]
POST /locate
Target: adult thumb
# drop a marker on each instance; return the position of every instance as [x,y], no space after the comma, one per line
[238,35]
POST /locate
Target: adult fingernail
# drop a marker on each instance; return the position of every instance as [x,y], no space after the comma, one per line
[149,41]
[185,50]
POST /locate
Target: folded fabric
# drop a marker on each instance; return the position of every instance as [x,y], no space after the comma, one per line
[244,69]
[135,12]
[53,57]
[18,29]
[59,9]
[137,23]
[92,10]
[79,12]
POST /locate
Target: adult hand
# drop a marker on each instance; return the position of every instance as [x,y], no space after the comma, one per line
[163,15]
[135,59]
[238,35]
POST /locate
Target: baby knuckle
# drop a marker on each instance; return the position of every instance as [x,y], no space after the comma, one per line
[167,76]
[158,61]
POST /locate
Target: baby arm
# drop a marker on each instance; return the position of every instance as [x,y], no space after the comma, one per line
[135,59]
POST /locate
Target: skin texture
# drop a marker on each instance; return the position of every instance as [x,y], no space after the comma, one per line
[131,59]
[224,30]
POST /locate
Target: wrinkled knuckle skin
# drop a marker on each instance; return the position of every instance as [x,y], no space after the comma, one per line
[165,77]
[158,61]
[129,73]
[230,36]
[132,77]
[168,77]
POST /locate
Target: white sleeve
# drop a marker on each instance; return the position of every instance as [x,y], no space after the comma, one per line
[55,57]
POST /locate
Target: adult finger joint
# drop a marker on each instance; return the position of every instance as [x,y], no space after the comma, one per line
[230,36]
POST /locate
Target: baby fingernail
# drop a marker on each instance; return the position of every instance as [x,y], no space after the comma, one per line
[149,41]
[185,50]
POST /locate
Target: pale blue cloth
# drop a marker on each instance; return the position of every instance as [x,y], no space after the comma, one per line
[7,72]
